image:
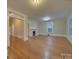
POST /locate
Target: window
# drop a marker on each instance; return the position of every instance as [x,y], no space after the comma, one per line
[50,26]
[70,27]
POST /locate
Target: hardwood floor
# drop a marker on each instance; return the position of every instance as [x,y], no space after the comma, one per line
[40,47]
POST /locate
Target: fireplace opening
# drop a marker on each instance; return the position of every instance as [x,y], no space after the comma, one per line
[34,33]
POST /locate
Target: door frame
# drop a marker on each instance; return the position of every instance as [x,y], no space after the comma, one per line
[20,16]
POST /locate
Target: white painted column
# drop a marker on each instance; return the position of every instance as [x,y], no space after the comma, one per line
[25,28]
[8,30]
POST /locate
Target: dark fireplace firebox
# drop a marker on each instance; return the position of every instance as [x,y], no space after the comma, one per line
[34,33]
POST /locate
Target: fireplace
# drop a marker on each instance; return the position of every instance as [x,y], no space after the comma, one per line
[34,33]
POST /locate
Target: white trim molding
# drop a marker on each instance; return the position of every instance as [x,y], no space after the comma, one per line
[69,39]
[20,16]
[61,35]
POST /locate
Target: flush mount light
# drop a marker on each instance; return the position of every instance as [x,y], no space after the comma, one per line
[46,18]
[36,2]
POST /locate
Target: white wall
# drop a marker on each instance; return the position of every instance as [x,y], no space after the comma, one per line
[43,28]
[59,27]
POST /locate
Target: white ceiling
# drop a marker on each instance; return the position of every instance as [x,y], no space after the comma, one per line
[52,8]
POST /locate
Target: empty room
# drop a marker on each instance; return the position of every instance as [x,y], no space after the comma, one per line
[39,29]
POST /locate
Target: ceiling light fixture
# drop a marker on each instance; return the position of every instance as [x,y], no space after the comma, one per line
[36,2]
[46,18]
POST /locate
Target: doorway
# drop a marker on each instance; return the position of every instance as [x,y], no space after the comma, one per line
[16,26]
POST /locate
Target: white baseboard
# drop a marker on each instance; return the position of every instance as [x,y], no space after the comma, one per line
[22,37]
[61,35]
[26,38]
[42,34]
[69,39]
[18,36]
